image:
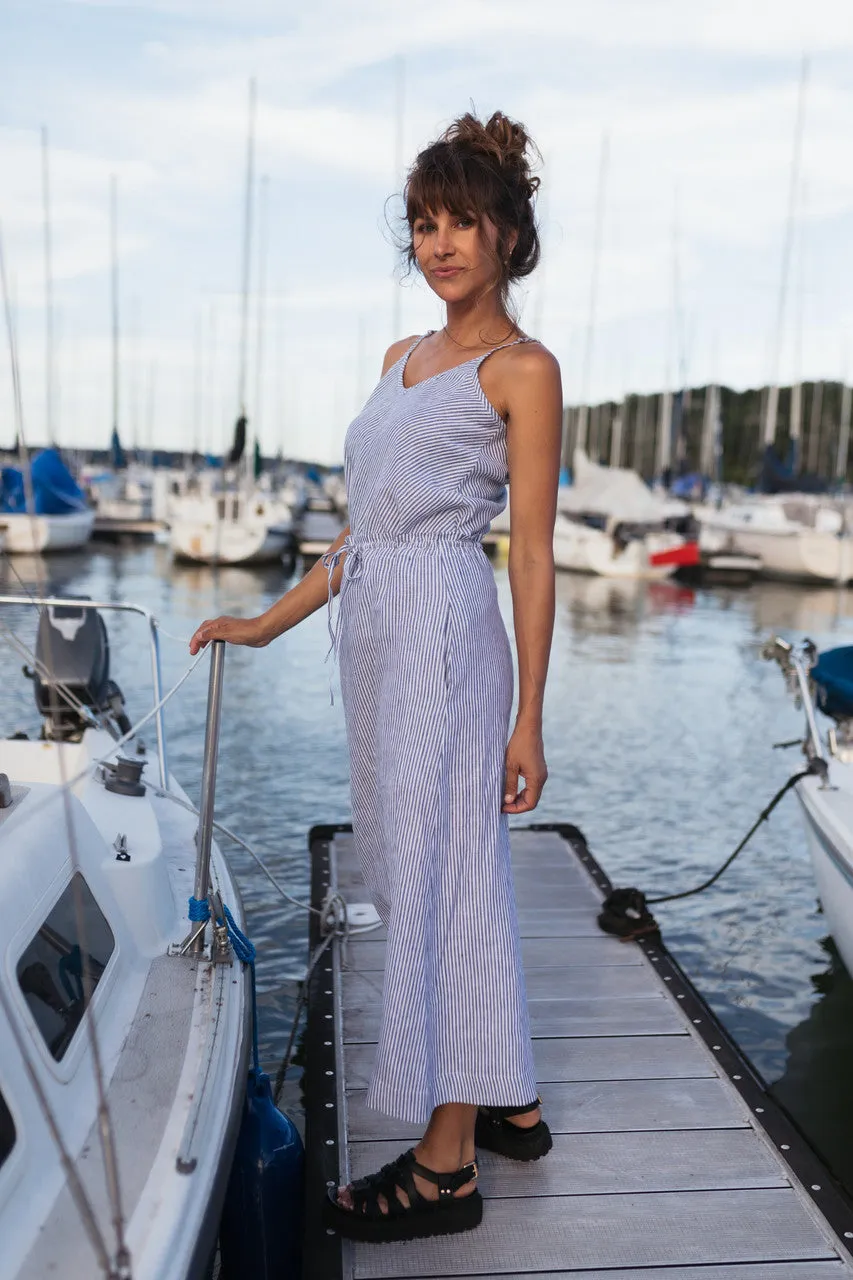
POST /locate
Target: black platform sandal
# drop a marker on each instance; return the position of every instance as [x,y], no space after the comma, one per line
[494,1132]
[366,1220]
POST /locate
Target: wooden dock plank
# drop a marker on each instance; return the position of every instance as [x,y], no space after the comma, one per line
[604,1058]
[588,983]
[610,1163]
[598,1106]
[649,1016]
[549,1233]
[533,922]
[537,953]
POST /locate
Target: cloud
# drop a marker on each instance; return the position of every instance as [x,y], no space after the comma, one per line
[698,102]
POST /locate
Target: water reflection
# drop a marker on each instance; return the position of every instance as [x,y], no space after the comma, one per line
[780,607]
[815,1084]
[659,726]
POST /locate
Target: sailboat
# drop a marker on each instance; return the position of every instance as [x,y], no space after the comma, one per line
[41,507]
[609,523]
[236,521]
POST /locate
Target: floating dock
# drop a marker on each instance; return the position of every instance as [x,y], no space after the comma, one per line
[670,1161]
[114,529]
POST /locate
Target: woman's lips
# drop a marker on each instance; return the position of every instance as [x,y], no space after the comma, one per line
[444,273]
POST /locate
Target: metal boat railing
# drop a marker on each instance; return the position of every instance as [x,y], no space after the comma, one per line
[71,602]
[796,664]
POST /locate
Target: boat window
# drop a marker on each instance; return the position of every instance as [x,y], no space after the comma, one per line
[7,1131]
[64,963]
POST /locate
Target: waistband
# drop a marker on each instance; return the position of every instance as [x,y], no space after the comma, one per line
[353,547]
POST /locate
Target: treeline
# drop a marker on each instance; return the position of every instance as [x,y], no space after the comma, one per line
[635,443]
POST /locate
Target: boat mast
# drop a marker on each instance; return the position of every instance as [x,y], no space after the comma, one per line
[772,407]
[114,276]
[583,415]
[247,262]
[263,237]
[399,160]
[844,432]
[48,294]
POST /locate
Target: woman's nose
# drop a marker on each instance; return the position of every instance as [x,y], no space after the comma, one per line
[443,242]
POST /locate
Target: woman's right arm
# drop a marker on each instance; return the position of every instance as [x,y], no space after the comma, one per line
[310,594]
[300,601]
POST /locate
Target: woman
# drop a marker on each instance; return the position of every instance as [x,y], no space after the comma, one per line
[426,677]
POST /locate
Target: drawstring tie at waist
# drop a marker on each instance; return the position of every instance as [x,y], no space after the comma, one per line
[352,548]
[352,569]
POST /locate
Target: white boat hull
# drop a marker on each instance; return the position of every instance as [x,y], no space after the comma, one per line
[28,535]
[172,1031]
[811,548]
[224,543]
[805,556]
[582,549]
[248,526]
[829,829]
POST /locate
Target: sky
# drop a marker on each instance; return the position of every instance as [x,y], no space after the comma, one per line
[697,103]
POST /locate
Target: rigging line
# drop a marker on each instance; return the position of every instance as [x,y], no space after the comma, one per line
[75,1185]
[343,929]
[105,1129]
[16,643]
[66,692]
[232,835]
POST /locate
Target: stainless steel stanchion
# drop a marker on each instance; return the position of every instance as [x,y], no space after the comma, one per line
[204,838]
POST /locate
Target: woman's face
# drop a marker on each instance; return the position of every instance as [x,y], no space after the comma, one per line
[456,254]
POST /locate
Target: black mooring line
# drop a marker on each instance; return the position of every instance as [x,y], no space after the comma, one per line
[794,1149]
[322,1255]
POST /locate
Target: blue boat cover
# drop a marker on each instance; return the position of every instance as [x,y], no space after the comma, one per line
[54,488]
[833,678]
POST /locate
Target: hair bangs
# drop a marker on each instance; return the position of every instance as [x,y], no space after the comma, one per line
[446,181]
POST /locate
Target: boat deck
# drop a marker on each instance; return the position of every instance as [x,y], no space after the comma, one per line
[670,1162]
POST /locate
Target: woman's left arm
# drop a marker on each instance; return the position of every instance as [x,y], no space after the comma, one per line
[534,414]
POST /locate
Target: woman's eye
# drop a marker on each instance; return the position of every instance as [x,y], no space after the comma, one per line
[465,223]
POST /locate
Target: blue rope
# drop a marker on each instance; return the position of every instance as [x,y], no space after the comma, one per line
[244,950]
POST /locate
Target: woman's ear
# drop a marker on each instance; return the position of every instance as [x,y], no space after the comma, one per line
[511,242]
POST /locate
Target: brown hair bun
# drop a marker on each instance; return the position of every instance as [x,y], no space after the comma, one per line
[478,168]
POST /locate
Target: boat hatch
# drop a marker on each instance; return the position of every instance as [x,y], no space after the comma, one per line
[63,964]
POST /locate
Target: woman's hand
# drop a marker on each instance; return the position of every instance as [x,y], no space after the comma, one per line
[248,631]
[525,755]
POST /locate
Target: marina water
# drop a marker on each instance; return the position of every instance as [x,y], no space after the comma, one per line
[659,732]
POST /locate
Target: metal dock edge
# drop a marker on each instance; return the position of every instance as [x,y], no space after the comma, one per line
[670,1160]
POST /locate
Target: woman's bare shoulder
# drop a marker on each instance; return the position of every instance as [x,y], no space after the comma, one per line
[396,350]
[532,360]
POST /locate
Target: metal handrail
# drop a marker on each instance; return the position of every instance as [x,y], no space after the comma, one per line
[816,746]
[792,661]
[47,602]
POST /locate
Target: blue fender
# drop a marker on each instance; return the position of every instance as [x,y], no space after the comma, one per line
[260,1235]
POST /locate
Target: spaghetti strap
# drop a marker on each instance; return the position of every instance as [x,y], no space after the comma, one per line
[502,347]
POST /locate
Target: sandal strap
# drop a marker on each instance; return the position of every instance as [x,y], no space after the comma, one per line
[502,1112]
[367,1190]
[447,1183]
[400,1173]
